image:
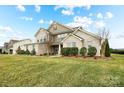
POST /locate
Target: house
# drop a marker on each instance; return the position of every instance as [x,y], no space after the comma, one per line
[21,44]
[8,46]
[57,36]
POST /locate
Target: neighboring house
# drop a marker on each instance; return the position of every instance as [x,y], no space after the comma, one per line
[8,46]
[21,44]
[57,36]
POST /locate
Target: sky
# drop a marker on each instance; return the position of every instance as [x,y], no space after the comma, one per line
[22,22]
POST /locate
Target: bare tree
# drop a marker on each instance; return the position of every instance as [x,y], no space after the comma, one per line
[104,35]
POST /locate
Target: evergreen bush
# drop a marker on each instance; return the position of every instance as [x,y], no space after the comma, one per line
[33,52]
[69,51]
[83,51]
[92,51]
[107,49]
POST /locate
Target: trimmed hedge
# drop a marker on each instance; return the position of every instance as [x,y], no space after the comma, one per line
[83,51]
[69,51]
[92,51]
[117,51]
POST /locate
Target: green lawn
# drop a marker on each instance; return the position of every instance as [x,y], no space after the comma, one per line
[20,70]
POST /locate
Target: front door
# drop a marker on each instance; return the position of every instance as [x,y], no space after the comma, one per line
[56,50]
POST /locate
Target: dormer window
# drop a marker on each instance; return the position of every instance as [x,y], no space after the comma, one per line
[54,27]
[40,40]
[37,40]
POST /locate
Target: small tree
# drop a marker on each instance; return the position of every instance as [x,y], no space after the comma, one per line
[103,36]
[18,50]
[27,52]
[83,51]
[107,49]
[33,52]
[92,51]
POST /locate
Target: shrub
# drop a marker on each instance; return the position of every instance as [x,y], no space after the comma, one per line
[21,52]
[4,52]
[27,52]
[107,49]
[33,52]
[69,51]
[92,51]
[83,51]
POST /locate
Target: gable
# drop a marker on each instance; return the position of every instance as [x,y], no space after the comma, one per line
[72,35]
[41,30]
[86,35]
[57,28]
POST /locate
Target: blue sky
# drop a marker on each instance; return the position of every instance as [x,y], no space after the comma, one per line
[19,22]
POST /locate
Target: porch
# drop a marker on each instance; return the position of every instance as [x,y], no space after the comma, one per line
[56,49]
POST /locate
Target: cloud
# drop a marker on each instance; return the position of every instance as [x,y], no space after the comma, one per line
[2,35]
[109,15]
[27,18]
[7,33]
[90,14]
[99,24]
[70,7]
[5,28]
[37,8]
[41,21]
[85,22]
[99,15]
[69,10]
[51,21]
[120,35]
[21,8]
[87,7]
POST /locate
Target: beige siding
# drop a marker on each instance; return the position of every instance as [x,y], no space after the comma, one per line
[21,44]
[90,40]
[42,48]
[58,29]
[41,35]
[70,39]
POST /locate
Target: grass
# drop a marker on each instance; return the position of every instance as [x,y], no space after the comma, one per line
[19,71]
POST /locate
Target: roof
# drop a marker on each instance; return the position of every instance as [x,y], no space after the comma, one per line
[76,36]
[24,40]
[39,31]
[60,32]
[59,24]
[70,30]
[86,32]
[34,43]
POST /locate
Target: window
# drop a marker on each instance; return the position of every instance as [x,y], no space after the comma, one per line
[71,44]
[40,40]
[44,39]
[37,40]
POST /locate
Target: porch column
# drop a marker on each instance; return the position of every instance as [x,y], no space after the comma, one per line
[59,51]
